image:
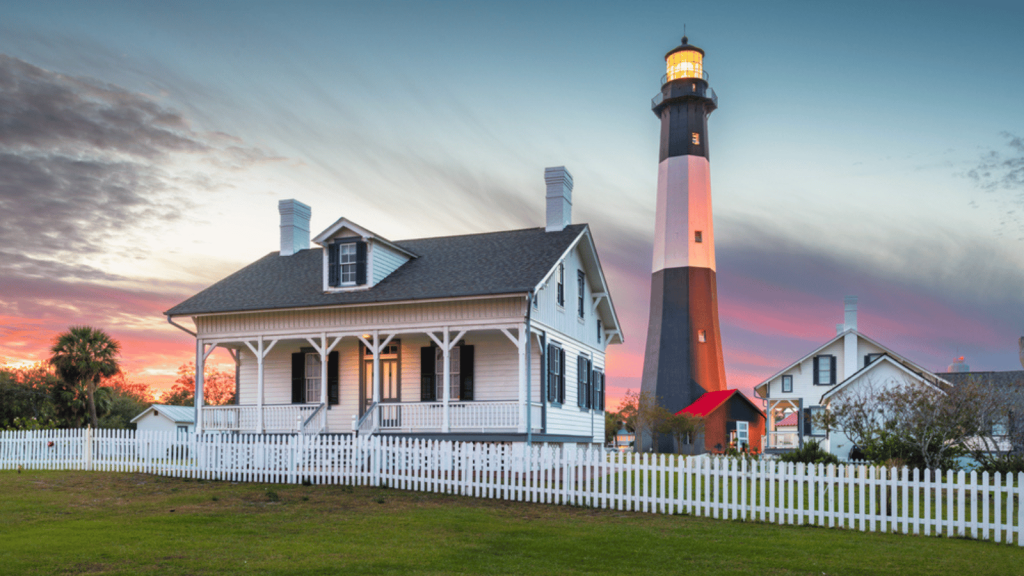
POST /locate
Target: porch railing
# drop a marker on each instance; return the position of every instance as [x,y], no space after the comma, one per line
[230,418]
[479,416]
[316,422]
[367,423]
[276,418]
[783,440]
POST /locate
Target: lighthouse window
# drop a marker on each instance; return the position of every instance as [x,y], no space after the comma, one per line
[698,236]
[696,139]
[702,336]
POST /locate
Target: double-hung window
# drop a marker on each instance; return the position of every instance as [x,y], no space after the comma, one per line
[813,415]
[824,370]
[556,374]
[597,388]
[346,263]
[313,367]
[581,282]
[584,394]
[787,384]
[347,259]
[560,289]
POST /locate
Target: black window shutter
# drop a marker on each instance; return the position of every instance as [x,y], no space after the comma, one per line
[552,373]
[561,376]
[298,378]
[816,371]
[466,373]
[602,391]
[427,374]
[807,421]
[581,381]
[333,264]
[832,376]
[360,263]
[332,379]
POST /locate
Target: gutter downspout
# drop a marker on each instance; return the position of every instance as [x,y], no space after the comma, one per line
[529,371]
[171,321]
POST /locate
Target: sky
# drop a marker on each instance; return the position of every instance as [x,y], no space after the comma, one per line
[873,149]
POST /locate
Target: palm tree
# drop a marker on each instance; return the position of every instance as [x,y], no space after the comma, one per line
[82,356]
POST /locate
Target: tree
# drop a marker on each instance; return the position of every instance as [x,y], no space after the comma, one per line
[644,415]
[684,429]
[907,422]
[611,425]
[82,356]
[218,387]
[25,397]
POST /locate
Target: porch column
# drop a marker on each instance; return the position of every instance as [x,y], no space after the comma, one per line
[376,378]
[259,385]
[197,396]
[260,352]
[447,381]
[521,342]
[524,395]
[323,368]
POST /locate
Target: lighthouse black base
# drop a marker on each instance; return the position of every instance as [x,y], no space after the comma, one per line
[678,365]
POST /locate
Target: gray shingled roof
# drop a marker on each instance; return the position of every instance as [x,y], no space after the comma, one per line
[509,262]
[1008,378]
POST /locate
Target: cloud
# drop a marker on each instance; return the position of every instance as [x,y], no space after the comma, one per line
[88,164]
[1000,174]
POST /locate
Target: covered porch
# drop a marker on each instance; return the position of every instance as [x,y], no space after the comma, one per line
[427,379]
[787,438]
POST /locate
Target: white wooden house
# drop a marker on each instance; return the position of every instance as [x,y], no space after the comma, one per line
[166,418]
[493,337]
[808,385]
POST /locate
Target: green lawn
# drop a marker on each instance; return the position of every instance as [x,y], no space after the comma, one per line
[104,523]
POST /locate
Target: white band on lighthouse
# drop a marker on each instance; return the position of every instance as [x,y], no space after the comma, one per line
[683,210]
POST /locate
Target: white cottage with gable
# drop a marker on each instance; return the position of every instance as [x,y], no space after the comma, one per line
[491,337]
[808,385]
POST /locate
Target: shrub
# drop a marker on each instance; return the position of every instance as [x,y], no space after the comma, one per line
[810,453]
[1006,464]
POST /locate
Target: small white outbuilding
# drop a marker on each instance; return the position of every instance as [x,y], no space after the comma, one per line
[165,418]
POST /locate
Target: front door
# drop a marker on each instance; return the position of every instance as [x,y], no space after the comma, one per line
[389,380]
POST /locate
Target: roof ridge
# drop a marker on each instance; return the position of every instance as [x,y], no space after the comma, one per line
[481,233]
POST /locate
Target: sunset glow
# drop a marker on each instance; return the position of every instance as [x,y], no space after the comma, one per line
[144,148]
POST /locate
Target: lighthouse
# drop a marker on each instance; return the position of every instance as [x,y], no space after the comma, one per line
[683,358]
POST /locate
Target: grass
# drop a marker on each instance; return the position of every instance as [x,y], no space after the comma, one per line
[105,523]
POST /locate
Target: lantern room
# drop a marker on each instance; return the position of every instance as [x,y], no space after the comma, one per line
[685,61]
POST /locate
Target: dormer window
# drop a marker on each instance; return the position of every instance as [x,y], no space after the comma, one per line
[346,262]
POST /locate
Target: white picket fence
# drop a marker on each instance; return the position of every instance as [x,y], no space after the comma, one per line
[855,497]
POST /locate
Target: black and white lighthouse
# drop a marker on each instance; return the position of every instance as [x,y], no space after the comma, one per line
[684,347]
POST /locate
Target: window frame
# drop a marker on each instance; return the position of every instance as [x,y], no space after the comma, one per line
[815,431]
[584,383]
[871,357]
[315,381]
[581,286]
[556,379]
[560,288]
[786,377]
[831,372]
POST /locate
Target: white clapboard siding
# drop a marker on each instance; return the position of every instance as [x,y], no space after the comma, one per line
[565,319]
[385,260]
[854,497]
